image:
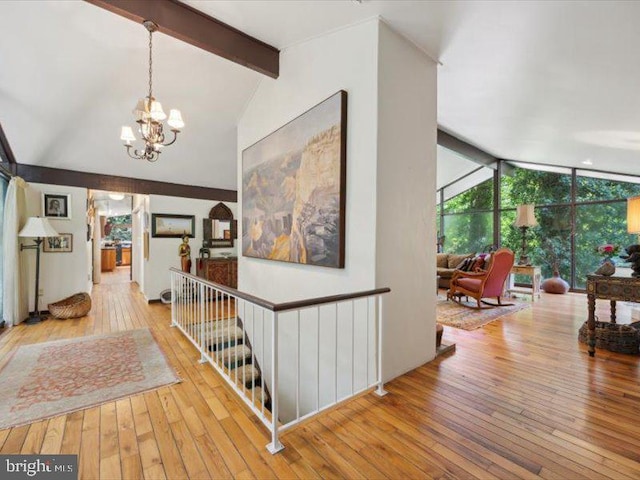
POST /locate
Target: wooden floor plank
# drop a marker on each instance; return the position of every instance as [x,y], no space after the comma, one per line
[520,398]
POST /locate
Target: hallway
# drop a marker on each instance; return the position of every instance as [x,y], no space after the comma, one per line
[518,399]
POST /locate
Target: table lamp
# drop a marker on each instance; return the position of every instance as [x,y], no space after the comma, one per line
[37,228]
[525,219]
[633,215]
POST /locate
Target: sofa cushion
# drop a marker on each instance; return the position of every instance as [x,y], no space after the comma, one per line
[454,260]
[445,272]
[441,260]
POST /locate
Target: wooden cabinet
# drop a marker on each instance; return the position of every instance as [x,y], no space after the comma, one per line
[219,270]
[108,259]
[126,255]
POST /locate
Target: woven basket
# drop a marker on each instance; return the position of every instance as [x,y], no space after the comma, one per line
[614,337]
[77,305]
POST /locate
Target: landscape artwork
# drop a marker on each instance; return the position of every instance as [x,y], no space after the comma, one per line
[293,189]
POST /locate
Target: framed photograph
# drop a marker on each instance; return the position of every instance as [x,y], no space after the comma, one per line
[227,234]
[172,226]
[60,244]
[293,189]
[56,205]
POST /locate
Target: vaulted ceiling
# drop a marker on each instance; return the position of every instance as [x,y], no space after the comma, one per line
[547,82]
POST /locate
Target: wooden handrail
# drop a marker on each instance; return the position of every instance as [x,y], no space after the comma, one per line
[281,307]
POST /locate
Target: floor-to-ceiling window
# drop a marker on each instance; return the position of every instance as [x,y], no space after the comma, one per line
[467,213]
[577,210]
[549,244]
[3,192]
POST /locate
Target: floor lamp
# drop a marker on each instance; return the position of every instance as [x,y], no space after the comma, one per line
[525,219]
[37,228]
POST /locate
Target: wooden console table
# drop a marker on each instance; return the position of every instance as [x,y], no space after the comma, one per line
[530,271]
[615,288]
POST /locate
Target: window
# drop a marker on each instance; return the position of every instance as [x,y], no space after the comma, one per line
[3,193]
[468,217]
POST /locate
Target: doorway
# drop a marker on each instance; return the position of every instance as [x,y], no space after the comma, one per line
[113,242]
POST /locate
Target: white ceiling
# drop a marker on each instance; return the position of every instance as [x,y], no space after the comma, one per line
[548,82]
[71,73]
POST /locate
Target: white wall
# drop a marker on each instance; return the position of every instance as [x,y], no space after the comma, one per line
[391,166]
[163,252]
[61,274]
[309,73]
[405,207]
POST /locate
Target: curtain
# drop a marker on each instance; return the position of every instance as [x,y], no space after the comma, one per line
[14,294]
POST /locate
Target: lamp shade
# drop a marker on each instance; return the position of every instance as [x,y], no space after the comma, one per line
[126,134]
[175,119]
[633,215]
[525,216]
[38,227]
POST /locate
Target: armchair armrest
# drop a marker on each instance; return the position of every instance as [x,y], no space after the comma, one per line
[459,273]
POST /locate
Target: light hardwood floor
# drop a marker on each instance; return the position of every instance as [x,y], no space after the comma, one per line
[519,398]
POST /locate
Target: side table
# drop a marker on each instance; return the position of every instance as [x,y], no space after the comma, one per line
[530,271]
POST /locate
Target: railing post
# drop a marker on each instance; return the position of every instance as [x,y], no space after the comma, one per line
[173,300]
[275,446]
[380,391]
[203,358]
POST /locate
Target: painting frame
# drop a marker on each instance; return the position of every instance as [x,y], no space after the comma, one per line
[314,223]
[167,225]
[63,243]
[56,205]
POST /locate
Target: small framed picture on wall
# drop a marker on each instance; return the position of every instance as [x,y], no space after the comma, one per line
[56,205]
[60,244]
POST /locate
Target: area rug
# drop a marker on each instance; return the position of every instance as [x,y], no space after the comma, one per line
[451,314]
[44,380]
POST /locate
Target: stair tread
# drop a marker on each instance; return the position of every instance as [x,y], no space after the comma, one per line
[245,374]
[235,353]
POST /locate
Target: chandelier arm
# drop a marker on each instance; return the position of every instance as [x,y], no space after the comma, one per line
[136,155]
[175,137]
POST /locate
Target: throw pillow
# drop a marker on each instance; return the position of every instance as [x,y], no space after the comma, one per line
[465,265]
[454,260]
[478,264]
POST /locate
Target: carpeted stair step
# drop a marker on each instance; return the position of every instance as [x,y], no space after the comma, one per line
[249,373]
[236,356]
[224,336]
[258,397]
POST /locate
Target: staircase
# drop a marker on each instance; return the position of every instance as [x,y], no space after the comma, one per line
[231,347]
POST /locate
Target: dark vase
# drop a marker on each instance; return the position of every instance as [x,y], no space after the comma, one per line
[555,284]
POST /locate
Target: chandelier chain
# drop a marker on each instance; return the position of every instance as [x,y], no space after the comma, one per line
[150,64]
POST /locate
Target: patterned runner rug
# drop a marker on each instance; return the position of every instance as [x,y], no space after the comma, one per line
[453,315]
[44,380]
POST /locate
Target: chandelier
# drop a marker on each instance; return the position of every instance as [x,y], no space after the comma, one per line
[149,116]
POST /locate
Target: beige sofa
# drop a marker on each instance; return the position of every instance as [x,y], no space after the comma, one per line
[446,264]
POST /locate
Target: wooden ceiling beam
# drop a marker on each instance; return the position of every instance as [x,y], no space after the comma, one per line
[196,28]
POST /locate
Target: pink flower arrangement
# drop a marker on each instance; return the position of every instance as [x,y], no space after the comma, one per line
[608,250]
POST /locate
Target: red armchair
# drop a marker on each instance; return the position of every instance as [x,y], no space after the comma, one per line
[486,284]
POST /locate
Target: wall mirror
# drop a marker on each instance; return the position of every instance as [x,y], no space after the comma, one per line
[220,229]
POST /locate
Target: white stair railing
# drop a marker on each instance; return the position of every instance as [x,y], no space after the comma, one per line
[287,361]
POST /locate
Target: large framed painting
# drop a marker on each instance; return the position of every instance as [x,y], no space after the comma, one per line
[172,226]
[294,189]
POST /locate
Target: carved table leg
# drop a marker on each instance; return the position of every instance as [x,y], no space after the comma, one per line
[591,324]
[613,311]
